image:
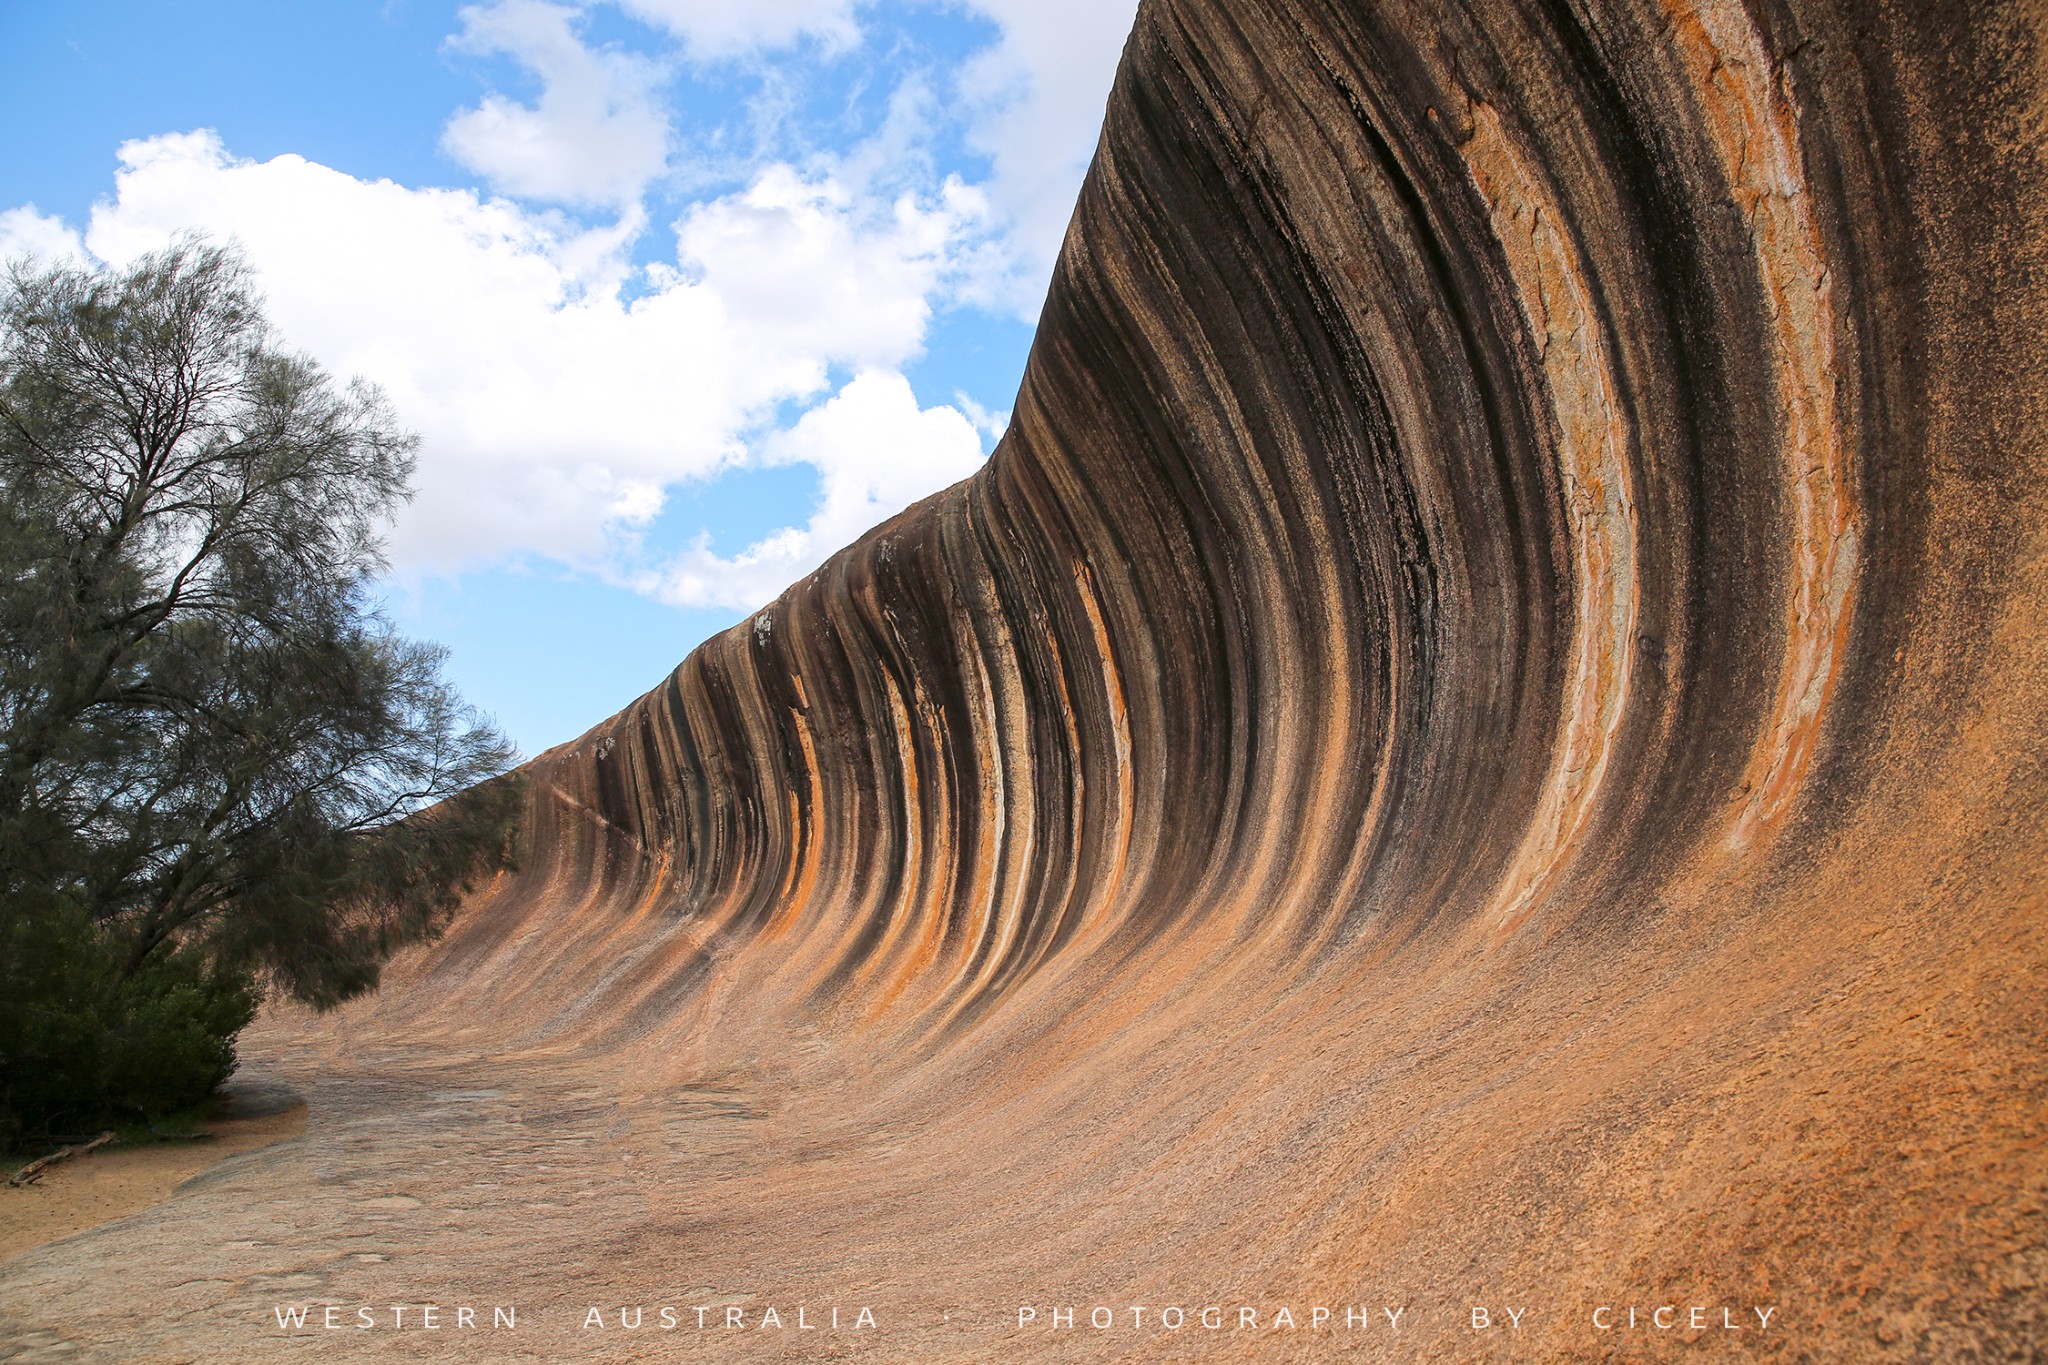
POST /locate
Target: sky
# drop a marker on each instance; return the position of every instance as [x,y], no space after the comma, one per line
[680,296]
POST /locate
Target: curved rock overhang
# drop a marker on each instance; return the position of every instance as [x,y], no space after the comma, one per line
[1486,718]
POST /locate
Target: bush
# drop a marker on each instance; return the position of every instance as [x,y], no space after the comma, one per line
[219,764]
[84,1045]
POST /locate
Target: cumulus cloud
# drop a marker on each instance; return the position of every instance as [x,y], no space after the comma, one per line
[1032,101]
[562,390]
[991,422]
[555,406]
[729,28]
[598,134]
[25,232]
[876,452]
[804,273]
[1035,100]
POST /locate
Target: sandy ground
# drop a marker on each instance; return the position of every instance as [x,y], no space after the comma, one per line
[87,1191]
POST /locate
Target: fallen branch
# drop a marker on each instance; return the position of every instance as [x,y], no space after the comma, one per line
[33,1172]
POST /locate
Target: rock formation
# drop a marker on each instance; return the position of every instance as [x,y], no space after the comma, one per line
[1480,740]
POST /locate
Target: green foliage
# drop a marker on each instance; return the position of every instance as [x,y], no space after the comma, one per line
[89,1043]
[219,764]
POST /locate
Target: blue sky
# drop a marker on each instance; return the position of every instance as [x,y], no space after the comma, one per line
[680,295]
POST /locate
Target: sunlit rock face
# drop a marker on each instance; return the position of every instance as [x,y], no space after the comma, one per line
[1479,739]
[1460,485]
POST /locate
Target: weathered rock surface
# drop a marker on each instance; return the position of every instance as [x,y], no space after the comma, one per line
[1479,742]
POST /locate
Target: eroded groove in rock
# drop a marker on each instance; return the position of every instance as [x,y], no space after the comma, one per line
[1389,373]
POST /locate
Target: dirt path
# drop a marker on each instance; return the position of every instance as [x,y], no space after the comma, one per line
[112,1183]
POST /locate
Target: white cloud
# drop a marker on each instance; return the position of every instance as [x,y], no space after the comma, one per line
[988,421]
[555,410]
[729,28]
[598,134]
[805,275]
[876,452]
[1035,101]
[1032,101]
[25,232]
[561,390]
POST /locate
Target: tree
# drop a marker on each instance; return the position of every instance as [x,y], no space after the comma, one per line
[221,770]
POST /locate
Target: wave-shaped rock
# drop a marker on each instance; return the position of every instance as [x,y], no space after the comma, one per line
[1480,734]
